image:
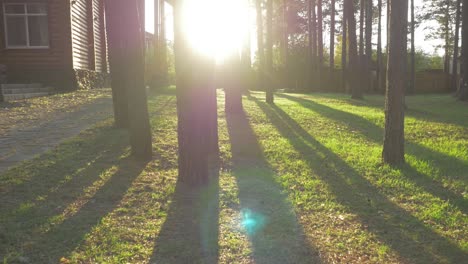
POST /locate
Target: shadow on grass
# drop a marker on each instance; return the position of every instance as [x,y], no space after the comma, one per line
[267,217]
[450,167]
[450,115]
[74,163]
[389,223]
[190,231]
[68,191]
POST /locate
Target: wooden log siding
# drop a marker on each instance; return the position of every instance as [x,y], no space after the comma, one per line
[56,57]
[81,37]
[99,36]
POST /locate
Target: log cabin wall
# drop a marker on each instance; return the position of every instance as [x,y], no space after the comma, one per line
[82,35]
[50,65]
[76,52]
[100,56]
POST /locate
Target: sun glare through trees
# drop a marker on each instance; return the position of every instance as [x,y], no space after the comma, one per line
[216,27]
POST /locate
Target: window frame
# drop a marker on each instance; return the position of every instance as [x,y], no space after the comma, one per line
[26,16]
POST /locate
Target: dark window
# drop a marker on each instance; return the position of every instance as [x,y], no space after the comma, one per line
[26,25]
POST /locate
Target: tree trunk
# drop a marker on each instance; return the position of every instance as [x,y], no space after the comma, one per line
[310,40]
[232,84]
[269,53]
[163,44]
[353,73]
[454,82]
[139,126]
[344,48]
[368,57]
[195,106]
[447,40]
[332,40]
[116,62]
[286,43]
[319,42]
[463,94]
[260,46]
[361,27]
[379,47]
[314,33]
[413,53]
[393,148]
[156,59]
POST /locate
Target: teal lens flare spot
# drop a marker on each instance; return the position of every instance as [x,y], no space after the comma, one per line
[252,222]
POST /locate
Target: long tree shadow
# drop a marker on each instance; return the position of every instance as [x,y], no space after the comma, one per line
[191,229]
[61,239]
[266,215]
[62,194]
[451,115]
[450,167]
[388,222]
[74,163]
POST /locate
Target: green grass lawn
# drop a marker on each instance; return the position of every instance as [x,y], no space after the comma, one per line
[300,182]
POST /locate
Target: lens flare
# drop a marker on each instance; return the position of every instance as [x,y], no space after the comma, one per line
[252,222]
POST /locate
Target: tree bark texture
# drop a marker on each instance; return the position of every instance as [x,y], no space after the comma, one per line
[163,44]
[353,67]
[344,49]
[260,45]
[413,53]
[139,126]
[196,107]
[332,39]
[393,147]
[368,56]
[379,86]
[116,62]
[269,53]
[232,76]
[463,93]
[320,34]
[454,82]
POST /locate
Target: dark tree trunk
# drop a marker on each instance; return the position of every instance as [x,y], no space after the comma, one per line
[314,33]
[319,41]
[379,48]
[195,107]
[260,46]
[362,5]
[447,40]
[463,93]
[368,57]
[332,39]
[413,53]
[454,82]
[156,48]
[286,43]
[116,62]
[353,72]
[232,84]
[310,40]
[393,147]
[139,126]
[163,44]
[269,53]
[344,48]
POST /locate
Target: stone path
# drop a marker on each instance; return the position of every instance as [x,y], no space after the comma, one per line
[26,142]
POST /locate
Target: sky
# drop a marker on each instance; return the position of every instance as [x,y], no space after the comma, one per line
[421,42]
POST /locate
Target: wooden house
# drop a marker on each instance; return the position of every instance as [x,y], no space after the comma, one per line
[60,43]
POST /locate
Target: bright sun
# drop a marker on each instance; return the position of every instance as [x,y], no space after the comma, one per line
[216,27]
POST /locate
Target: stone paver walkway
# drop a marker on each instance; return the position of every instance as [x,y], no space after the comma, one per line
[26,142]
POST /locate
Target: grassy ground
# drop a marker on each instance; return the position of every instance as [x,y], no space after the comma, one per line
[20,113]
[300,182]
